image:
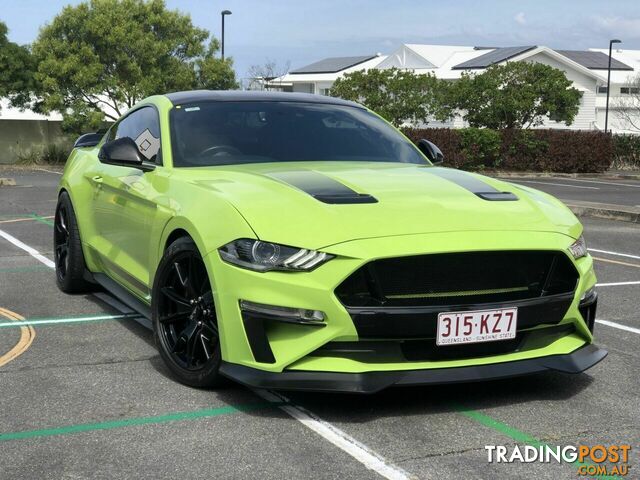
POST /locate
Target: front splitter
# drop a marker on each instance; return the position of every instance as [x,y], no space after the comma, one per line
[370,382]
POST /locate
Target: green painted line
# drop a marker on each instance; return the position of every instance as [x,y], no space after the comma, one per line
[63,320]
[135,421]
[40,219]
[516,434]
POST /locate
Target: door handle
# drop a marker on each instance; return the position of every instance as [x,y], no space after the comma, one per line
[97,178]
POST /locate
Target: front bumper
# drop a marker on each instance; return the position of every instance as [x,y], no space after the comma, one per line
[371,382]
[291,349]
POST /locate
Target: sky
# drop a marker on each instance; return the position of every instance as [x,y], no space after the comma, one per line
[301,32]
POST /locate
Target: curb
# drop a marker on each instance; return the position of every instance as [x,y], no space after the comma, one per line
[7,182]
[605,213]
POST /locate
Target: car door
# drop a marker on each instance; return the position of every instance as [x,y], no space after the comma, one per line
[126,204]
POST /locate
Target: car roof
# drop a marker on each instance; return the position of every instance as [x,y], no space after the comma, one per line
[193,96]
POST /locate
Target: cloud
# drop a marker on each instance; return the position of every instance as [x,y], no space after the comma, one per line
[618,26]
[520,18]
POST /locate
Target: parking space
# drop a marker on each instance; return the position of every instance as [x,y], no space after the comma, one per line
[90,398]
[616,191]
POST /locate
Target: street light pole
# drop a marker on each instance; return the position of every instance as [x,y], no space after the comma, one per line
[606,109]
[223,14]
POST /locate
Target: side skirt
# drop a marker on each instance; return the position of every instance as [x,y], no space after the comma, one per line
[125,297]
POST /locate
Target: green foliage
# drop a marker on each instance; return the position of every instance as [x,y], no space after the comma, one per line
[16,70]
[515,95]
[397,95]
[567,151]
[626,152]
[482,145]
[51,154]
[112,53]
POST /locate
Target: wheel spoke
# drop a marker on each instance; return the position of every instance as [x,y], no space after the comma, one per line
[181,278]
[174,317]
[63,222]
[205,348]
[192,342]
[211,327]
[191,277]
[170,293]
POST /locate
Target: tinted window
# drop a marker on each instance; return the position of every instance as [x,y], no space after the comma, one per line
[143,127]
[223,133]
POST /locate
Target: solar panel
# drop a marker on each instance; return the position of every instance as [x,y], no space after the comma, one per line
[593,60]
[333,64]
[496,56]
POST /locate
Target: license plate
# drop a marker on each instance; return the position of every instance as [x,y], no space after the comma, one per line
[456,328]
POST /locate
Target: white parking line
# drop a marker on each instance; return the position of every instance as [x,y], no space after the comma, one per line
[337,437]
[557,184]
[615,253]
[616,284]
[345,442]
[602,183]
[619,326]
[31,251]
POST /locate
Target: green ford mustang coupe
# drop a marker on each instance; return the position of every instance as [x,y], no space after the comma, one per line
[301,242]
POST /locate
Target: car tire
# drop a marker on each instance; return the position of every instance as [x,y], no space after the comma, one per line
[67,249]
[184,318]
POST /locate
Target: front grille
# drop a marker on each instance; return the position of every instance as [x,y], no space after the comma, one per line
[464,278]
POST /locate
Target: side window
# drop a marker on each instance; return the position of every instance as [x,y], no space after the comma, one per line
[143,127]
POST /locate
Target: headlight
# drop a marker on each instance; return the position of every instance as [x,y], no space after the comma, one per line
[579,248]
[264,256]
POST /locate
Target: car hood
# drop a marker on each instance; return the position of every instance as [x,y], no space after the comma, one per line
[317,204]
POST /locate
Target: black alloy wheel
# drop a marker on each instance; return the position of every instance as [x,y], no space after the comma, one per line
[184,316]
[61,241]
[72,275]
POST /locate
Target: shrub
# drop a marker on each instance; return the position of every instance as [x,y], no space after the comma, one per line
[626,152]
[481,147]
[50,154]
[567,151]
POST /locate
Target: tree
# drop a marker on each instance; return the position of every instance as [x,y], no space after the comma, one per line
[400,96]
[516,95]
[627,105]
[98,58]
[16,70]
[260,76]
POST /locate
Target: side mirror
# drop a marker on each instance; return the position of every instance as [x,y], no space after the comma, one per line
[433,153]
[124,153]
[88,140]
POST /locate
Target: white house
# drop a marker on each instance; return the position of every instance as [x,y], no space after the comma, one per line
[587,69]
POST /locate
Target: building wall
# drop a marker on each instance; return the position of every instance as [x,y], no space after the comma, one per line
[586,117]
[24,135]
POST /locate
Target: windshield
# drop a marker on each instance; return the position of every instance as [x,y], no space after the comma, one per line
[227,133]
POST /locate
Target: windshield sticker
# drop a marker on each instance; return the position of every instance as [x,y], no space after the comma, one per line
[192,109]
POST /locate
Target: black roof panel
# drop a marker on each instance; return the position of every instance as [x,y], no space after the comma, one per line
[333,64]
[496,56]
[192,96]
[593,60]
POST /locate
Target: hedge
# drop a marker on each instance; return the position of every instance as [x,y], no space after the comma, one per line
[626,151]
[567,151]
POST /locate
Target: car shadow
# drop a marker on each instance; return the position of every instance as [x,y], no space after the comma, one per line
[438,399]
[399,401]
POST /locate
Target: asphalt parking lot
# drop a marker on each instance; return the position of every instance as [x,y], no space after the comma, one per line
[624,192]
[85,395]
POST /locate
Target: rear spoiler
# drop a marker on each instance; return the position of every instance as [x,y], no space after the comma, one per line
[89,139]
